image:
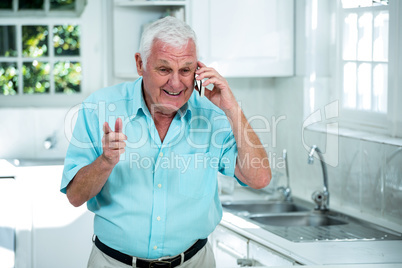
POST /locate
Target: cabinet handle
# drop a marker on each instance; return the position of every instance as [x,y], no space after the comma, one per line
[229,250]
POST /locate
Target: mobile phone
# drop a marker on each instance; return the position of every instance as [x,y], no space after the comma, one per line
[198,86]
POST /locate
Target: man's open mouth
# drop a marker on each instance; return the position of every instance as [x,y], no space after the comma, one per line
[172,93]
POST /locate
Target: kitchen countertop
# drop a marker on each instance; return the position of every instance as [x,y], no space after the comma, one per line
[7,170]
[338,253]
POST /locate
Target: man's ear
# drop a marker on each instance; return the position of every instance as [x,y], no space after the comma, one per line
[139,64]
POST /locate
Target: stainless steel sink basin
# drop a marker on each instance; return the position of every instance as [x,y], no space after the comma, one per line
[248,208]
[298,222]
[305,219]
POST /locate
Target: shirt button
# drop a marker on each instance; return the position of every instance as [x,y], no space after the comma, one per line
[160,154]
[159,185]
[155,247]
[158,218]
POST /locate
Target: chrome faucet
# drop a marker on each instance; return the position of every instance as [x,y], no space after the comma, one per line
[286,191]
[50,142]
[320,198]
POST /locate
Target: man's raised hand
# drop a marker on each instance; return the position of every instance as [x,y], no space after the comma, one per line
[113,142]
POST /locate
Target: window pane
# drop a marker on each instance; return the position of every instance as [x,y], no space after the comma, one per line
[6,4]
[349,85]
[8,78]
[364,86]
[66,40]
[350,37]
[35,41]
[67,77]
[62,4]
[8,43]
[364,47]
[380,47]
[380,88]
[30,4]
[36,77]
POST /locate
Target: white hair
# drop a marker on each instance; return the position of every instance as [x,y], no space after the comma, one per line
[169,30]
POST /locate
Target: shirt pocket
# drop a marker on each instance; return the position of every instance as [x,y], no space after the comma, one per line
[198,175]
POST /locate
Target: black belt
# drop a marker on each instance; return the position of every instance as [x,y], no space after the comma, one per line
[170,263]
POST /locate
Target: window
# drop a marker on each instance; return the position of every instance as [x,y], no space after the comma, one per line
[39,54]
[366,68]
[365,55]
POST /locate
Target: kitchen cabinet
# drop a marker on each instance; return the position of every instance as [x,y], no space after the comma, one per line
[8,220]
[51,232]
[129,19]
[246,38]
[269,257]
[230,247]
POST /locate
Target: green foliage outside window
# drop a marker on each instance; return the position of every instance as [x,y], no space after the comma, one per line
[62,4]
[66,40]
[8,78]
[36,77]
[67,77]
[34,41]
[30,4]
[36,74]
[8,45]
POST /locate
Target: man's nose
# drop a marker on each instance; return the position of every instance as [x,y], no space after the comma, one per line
[175,81]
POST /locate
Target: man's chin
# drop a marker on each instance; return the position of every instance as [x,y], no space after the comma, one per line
[166,108]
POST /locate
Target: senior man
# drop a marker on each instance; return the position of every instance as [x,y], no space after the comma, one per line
[152,180]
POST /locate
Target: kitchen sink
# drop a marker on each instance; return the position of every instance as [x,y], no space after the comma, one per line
[297,221]
[305,219]
[249,208]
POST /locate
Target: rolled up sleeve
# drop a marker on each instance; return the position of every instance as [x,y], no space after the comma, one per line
[85,143]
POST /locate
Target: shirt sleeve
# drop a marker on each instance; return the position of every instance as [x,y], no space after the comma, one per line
[85,144]
[228,160]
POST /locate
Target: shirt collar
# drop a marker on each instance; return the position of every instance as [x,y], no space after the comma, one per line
[184,112]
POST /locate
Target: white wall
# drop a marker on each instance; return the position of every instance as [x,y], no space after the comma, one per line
[367,179]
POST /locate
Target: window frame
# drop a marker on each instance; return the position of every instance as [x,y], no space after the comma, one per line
[45,12]
[388,123]
[51,99]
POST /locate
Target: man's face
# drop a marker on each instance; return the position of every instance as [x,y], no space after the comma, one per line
[169,76]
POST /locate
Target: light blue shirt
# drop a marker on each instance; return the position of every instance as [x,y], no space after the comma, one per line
[161,197]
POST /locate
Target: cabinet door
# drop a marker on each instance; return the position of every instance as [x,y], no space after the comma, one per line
[245,38]
[8,218]
[129,19]
[228,247]
[61,233]
[267,256]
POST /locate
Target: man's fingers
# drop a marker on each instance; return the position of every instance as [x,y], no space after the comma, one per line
[106,128]
[118,126]
[117,145]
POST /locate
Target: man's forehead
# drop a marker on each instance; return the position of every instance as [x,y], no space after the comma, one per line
[167,62]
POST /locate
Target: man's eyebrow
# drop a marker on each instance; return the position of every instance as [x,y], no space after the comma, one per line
[164,62]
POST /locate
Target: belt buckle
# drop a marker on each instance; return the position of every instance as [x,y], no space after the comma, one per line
[157,262]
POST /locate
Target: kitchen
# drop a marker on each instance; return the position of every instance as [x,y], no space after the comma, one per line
[291,85]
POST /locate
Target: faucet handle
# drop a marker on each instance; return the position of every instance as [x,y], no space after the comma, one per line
[320,198]
[286,193]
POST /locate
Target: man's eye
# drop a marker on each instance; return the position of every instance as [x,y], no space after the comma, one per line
[163,70]
[185,71]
